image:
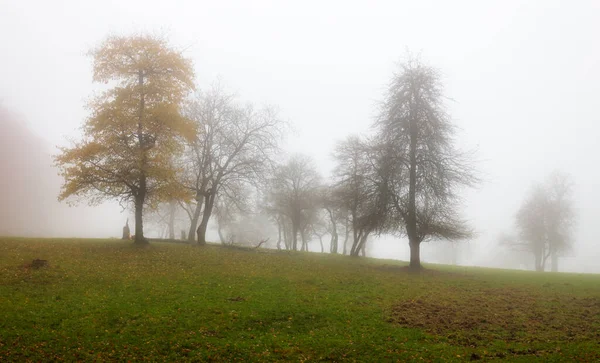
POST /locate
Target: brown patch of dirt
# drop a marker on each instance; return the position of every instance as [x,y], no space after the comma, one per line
[37,264]
[468,318]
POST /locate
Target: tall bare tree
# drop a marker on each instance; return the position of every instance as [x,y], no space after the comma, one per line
[424,169]
[236,144]
[295,190]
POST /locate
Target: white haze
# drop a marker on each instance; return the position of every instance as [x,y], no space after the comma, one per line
[523,78]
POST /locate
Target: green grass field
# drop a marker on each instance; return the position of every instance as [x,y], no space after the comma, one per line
[107,300]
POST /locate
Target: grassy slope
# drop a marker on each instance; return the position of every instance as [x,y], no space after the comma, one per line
[109,300]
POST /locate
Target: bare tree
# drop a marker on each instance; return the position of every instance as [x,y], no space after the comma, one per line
[333,229]
[320,231]
[284,225]
[545,221]
[562,216]
[294,194]
[235,145]
[335,216]
[347,229]
[272,208]
[358,190]
[531,224]
[282,230]
[317,226]
[424,169]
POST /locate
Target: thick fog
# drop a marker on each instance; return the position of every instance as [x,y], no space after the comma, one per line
[522,79]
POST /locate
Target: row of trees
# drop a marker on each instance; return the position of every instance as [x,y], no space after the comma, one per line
[232,153]
[149,142]
[405,179]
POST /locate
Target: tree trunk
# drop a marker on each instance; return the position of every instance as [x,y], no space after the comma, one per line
[304,246]
[294,236]
[411,223]
[172,210]
[359,246]
[278,234]
[415,255]
[333,248]
[359,239]
[209,201]
[140,196]
[355,242]
[139,224]
[347,237]
[321,241]
[194,220]
[541,256]
[287,237]
[201,232]
[334,243]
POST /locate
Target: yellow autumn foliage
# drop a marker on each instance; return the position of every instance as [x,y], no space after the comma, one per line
[135,129]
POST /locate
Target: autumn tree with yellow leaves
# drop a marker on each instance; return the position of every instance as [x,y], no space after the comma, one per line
[135,130]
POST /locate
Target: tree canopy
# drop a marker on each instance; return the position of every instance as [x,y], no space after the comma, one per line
[545,221]
[234,148]
[421,166]
[135,127]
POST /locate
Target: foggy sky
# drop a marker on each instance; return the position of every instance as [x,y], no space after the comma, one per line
[523,79]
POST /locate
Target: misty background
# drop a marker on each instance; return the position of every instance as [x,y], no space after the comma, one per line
[522,78]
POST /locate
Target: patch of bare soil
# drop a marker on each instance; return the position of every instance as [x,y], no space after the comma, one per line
[472,318]
[37,264]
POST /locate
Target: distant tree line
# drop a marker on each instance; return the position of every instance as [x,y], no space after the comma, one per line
[189,158]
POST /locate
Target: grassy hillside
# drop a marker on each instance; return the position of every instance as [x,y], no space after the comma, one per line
[108,300]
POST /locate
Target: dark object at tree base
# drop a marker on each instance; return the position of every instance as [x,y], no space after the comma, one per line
[37,263]
[126,231]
